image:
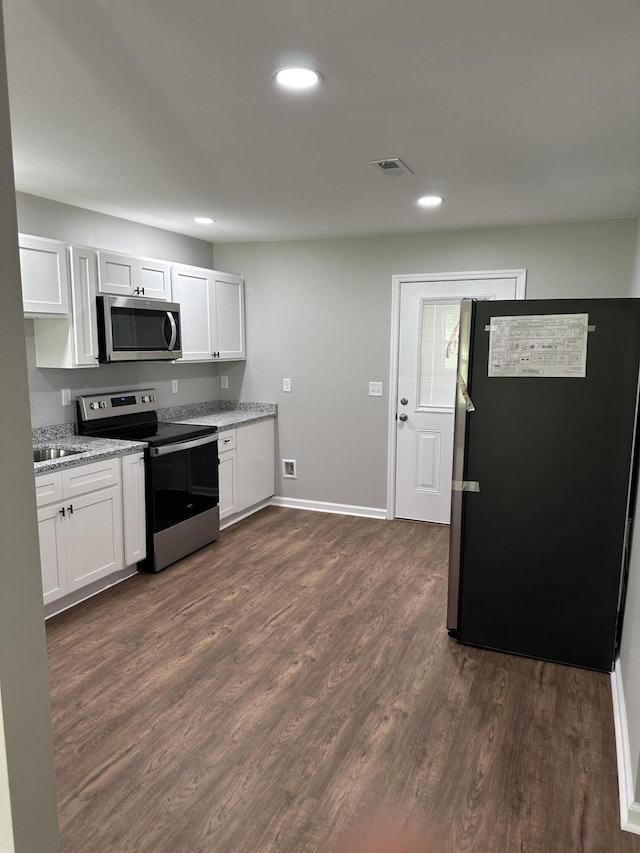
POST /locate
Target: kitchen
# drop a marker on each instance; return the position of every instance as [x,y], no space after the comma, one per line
[304,299]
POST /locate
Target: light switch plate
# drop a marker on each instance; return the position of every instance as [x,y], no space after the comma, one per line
[66,396]
[375,389]
[174,386]
[286,385]
[224,381]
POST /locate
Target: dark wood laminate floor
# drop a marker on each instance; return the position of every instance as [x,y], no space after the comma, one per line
[294,680]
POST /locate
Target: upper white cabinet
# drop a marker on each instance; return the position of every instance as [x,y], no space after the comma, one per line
[73,341]
[45,283]
[211,313]
[125,275]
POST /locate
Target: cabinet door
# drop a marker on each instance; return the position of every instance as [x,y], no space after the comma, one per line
[133,509]
[93,536]
[154,279]
[51,531]
[255,461]
[191,289]
[84,287]
[45,283]
[117,274]
[229,342]
[227,472]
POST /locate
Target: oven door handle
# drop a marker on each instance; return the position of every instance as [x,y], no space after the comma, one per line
[179,446]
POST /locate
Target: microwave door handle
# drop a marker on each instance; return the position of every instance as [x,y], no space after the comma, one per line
[174,330]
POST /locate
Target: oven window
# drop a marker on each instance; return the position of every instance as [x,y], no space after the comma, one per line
[141,330]
[183,484]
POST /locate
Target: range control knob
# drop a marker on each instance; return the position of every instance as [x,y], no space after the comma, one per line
[145,398]
[103,404]
[94,406]
[152,398]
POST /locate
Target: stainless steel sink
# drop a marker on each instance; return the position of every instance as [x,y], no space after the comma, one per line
[45,454]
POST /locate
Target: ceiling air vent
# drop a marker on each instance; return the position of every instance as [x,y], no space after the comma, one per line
[391,166]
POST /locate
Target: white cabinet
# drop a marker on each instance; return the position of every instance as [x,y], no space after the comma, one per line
[43,270]
[73,341]
[126,275]
[211,313]
[93,536]
[227,472]
[255,463]
[133,504]
[80,526]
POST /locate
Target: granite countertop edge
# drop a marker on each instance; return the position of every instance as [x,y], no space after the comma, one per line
[90,449]
[218,413]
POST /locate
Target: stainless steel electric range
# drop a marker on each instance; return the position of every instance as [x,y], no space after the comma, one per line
[181,471]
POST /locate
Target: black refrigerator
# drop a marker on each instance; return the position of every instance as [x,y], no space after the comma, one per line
[544,476]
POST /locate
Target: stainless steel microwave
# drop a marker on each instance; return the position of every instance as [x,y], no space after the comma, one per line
[138,329]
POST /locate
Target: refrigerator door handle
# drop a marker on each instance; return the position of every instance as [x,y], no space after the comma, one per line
[459,438]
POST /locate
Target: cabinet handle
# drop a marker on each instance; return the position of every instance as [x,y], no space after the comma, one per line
[142,290]
[70,509]
[62,511]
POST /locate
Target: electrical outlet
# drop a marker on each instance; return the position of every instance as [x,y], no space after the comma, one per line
[224,381]
[66,396]
[290,469]
[286,385]
[174,386]
[375,389]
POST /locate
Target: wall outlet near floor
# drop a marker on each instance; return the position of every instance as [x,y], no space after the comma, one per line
[224,381]
[286,385]
[290,469]
[66,396]
[174,386]
[375,389]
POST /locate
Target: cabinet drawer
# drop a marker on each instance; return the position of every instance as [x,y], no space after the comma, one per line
[226,440]
[48,488]
[88,478]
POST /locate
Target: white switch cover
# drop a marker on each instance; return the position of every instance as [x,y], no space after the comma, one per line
[375,389]
[286,385]
[66,396]
[174,386]
[224,381]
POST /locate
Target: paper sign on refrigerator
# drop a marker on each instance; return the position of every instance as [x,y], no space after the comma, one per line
[539,345]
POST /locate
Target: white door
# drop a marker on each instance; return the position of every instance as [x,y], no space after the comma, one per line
[426,385]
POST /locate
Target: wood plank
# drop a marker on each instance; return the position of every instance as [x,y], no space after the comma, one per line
[289,683]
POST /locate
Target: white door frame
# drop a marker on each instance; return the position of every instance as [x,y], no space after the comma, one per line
[396,282]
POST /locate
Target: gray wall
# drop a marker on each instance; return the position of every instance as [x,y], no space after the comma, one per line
[25,733]
[630,645]
[318,312]
[46,218]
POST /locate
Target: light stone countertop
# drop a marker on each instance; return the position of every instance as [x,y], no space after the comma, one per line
[91,449]
[223,414]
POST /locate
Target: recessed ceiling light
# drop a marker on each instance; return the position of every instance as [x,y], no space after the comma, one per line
[203,220]
[430,201]
[297,78]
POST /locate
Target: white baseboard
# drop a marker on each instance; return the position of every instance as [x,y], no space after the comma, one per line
[629,808]
[324,506]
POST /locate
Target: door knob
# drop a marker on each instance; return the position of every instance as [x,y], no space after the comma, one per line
[404,417]
[404,401]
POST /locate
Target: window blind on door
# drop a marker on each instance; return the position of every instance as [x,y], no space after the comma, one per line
[439,353]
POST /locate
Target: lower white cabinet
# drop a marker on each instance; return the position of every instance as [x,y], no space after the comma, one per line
[90,522]
[133,501]
[227,472]
[247,466]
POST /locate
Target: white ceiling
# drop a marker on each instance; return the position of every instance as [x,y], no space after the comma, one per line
[515,111]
